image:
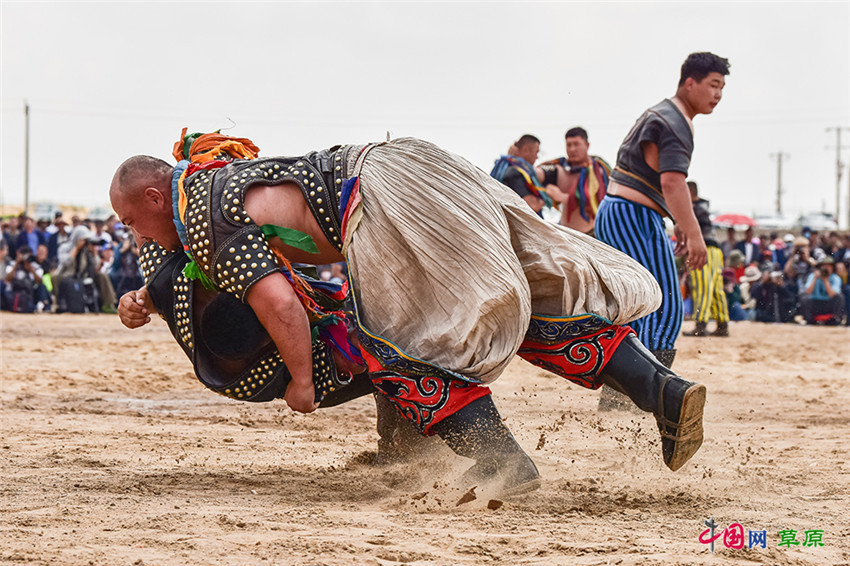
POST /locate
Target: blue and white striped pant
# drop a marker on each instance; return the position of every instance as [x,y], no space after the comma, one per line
[638,231]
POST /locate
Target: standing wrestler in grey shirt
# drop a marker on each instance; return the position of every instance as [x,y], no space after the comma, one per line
[648,183]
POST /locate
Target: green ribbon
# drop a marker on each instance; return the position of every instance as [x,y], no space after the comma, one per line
[290,237]
[193,271]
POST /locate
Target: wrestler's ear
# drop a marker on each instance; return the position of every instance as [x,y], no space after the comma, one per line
[154,196]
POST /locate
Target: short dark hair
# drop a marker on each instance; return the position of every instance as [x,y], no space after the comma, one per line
[577,132]
[526,139]
[698,65]
[142,170]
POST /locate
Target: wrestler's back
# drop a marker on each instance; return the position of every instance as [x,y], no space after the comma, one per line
[284,205]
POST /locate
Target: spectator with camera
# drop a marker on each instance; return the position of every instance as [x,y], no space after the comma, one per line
[79,260]
[822,295]
[776,299]
[24,290]
[126,274]
[800,262]
[765,291]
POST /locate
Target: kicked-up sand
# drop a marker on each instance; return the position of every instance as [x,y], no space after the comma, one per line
[113,453]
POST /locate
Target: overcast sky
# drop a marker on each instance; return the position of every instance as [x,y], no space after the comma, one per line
[105,81]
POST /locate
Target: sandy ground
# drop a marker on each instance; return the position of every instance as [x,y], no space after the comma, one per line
[112,453]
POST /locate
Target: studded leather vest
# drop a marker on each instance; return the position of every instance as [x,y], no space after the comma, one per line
[231,352]
[223,239]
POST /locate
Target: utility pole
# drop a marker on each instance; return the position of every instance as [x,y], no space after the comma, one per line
[779,157]
[26,158]
[839,167]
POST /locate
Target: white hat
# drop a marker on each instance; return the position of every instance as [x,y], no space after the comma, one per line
[752,273]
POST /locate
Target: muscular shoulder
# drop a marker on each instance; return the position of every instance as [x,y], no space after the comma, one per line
[275,204]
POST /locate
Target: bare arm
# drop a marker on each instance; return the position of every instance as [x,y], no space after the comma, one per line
[678,198]
[536,203]
[282,315]
[689,235]
[789,264]
[560,191]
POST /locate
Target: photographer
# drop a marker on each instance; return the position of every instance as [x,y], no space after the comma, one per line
[126,274]
[800,263]
[765,291]
[776,300]
[78,258]
[822,294]
[24,289]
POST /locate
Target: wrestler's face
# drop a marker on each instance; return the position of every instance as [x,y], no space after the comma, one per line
[147,212]
[704,95]
[577,148]
[529,152]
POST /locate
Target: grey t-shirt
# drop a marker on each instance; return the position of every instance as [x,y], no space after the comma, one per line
[666,127]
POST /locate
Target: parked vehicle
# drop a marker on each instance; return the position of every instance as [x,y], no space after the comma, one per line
[774,221]
[821,221]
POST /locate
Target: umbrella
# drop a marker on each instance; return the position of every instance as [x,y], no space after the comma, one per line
[734,220]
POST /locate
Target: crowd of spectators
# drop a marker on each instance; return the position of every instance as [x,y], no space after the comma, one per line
[54,266]
[789,279]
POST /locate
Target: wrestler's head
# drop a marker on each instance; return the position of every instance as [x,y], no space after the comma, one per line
[528,147]
[141,196]
[701,82]
[577,146]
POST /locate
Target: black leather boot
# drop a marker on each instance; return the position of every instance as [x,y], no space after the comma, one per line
[398,439]
[722,330]
[477,432]
[699,330]
[676,403]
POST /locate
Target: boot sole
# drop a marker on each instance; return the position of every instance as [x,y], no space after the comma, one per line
[689,438]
